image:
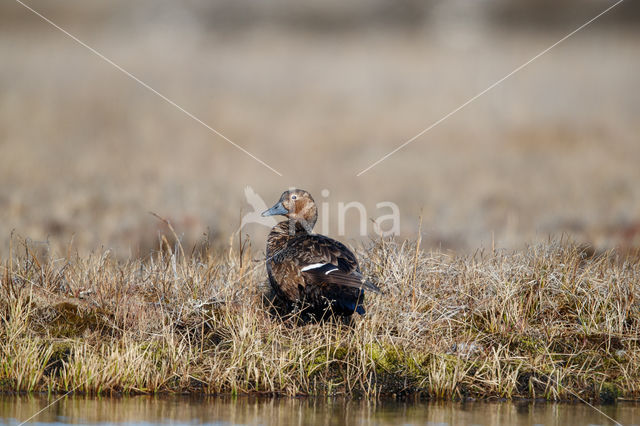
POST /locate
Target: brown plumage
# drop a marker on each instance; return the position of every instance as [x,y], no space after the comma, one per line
[313,272]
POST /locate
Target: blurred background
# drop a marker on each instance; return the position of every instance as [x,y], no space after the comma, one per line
[319,91]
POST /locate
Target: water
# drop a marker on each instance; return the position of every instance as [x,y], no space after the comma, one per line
[254,411]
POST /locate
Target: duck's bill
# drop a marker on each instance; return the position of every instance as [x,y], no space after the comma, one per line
[275,210]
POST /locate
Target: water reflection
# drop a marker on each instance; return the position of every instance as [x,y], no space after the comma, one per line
[252,411]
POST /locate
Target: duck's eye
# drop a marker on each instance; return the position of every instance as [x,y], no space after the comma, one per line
[294,197]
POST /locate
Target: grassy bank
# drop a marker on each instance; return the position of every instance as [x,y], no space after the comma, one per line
[551,322]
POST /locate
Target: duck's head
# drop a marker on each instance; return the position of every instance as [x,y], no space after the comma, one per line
[298,206]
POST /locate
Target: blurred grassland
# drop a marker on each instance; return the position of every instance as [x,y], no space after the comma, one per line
[86,153]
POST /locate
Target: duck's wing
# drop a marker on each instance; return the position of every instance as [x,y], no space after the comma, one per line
[285,277]
[322,261]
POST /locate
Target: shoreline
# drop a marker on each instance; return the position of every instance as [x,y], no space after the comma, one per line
[258,397]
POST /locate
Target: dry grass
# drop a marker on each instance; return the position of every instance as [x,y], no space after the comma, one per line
[549,322]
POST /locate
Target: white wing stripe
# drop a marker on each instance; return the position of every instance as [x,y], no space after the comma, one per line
[313,266]
[330,271]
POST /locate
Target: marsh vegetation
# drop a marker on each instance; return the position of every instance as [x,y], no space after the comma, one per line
[554,321]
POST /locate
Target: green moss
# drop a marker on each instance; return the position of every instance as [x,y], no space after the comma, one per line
[72,321]
[339,353]
[527,345]
[386,358]
[609,393]
[328,360]
[6,385]
[394,363]
[61,352]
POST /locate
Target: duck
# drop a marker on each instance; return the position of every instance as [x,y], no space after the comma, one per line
[310,272]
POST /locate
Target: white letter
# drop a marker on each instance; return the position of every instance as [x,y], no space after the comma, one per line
[342,209]
[394,217]
[324,229]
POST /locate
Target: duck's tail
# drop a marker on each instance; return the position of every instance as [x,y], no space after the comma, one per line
[368,285]
[331,274]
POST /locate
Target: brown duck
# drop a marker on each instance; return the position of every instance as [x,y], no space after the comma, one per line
[309,271]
